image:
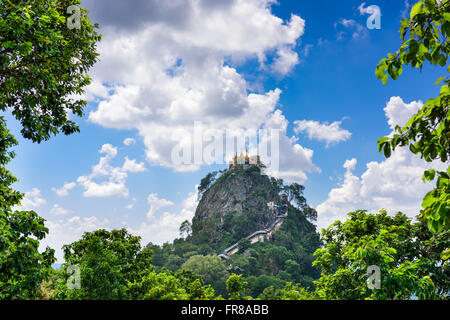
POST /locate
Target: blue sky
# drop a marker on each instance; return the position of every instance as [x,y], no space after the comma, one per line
[228,64]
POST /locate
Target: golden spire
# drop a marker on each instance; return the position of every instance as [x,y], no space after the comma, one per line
[247,159]
[235,159]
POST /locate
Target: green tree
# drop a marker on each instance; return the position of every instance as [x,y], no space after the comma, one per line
[294,192]
[43,64]
[22,267]
[206,182]
[157,286]
[108,262]
[425,37]
[186,228]
[210,268]
[394,245]
[293,269]
[244,244]
[168,286]
[258,284]
[236,286]
[289,292]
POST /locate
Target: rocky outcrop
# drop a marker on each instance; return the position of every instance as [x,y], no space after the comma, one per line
[235,205]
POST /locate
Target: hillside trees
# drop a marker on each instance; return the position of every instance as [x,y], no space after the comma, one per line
[394,245]
[210,268]
[425,37]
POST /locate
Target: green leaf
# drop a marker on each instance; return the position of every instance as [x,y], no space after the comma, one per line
[429,175]
[428,200]
[416,9]
[445,254]
[387,150]
[439,80]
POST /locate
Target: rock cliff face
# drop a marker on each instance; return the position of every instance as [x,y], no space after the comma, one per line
[234,206]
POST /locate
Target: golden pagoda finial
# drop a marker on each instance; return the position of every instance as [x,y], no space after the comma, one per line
[235,159]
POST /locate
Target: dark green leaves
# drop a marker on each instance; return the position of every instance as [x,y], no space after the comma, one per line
[43,65]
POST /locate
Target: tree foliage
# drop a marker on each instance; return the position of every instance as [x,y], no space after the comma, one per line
[394,245]
[108,261]
[185,228]
[43,64]
[425,37]
[22,266]
[210,268]
[236,286]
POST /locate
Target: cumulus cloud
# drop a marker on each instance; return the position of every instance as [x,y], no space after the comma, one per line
[56,210]
[294,160]
[133,166]
[156,204]
[113,178]
[394,184]
[398,112]
[64,190]
[182,68]
[68,230]
[330,133]
[164,227]
[32,200]
[286,60]
[345,26]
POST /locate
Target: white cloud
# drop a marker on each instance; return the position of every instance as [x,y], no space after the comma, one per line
[68,230]
[406,9]
[363,10]
[394,183]
[371,9]
[306,50]
[350,164]
[398,112]
[330,133]
[56,210]
[131,205]
[156,204]
[294,159]
[181,70]
[357,30]
[133,166]
[164,227]
[129,141]
[114,185]
[31,200]
[286,60]
[64,190]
